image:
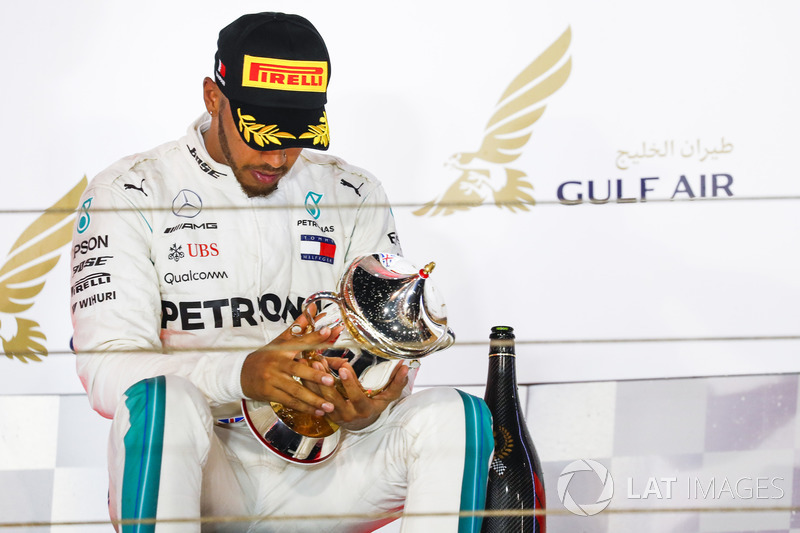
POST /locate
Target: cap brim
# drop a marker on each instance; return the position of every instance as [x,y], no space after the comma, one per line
[268,128]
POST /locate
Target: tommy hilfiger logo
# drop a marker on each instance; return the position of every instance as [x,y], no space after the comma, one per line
[317,248]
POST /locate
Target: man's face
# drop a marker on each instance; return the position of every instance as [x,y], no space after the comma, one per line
[257,172]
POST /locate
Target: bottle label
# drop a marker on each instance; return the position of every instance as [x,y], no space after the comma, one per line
[503,446]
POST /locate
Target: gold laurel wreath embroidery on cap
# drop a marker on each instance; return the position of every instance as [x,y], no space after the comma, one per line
[262,135]
[319,132]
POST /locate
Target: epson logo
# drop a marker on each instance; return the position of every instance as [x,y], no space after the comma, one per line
[189,225]
[92,243]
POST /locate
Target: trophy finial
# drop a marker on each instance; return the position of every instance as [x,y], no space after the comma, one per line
[426,271]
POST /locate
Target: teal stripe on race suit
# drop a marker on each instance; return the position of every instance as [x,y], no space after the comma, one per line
[479,447]
[144,443]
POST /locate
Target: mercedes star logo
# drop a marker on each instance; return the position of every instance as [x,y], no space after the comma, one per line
[187,204]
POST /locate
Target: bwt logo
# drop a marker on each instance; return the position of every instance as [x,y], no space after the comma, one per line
[586,509]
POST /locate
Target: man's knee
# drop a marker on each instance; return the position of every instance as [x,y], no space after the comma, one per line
[443,408]
[166,398]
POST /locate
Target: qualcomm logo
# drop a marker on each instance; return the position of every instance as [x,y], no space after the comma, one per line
[587,509]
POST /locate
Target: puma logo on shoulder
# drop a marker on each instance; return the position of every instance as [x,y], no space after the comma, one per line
[140,188]
[348,184]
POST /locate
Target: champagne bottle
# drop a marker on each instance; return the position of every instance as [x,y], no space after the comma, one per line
[515,475]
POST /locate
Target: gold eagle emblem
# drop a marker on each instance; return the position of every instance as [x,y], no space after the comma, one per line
[32,256]
[484,174]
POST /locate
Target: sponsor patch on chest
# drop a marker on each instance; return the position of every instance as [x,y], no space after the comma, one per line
[317,248]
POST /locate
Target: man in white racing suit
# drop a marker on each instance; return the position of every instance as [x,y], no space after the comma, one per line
[191,261]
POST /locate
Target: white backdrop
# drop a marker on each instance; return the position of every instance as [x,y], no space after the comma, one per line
[680,92]
[654,97]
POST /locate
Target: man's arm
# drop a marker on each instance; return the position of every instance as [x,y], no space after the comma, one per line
[116,313]
[373,231]
[374,227]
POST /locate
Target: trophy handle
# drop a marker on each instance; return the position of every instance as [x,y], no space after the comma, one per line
[314,298]
[350,321]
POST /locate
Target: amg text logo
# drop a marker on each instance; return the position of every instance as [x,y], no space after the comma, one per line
[189,225]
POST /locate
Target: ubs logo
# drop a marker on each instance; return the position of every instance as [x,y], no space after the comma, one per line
[485,175]
[175,252]
[187,204]
[202,249]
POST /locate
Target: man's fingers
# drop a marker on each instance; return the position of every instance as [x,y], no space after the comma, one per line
[309,374]
[300,340]
[398,383]
[355,392]
[301,398]
[329,391]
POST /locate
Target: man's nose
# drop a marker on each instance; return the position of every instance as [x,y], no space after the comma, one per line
[274,158]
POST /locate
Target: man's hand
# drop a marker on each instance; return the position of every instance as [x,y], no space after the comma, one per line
[358,410]
[268,373]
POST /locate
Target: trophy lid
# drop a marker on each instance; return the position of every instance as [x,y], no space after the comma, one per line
[393,308]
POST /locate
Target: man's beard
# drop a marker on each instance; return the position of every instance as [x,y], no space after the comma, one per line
[252,191]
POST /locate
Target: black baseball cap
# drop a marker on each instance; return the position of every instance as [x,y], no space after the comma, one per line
[274,70]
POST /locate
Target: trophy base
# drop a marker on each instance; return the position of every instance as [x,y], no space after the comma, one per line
[283,438]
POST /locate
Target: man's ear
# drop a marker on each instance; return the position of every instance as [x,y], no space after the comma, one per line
[212,96]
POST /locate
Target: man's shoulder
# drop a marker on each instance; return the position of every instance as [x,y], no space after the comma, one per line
[325,164]
[142,165]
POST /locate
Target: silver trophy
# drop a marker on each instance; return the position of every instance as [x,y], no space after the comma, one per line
[392,318]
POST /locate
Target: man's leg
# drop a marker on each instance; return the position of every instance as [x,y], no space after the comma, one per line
[441,480]
[161,443]
[429,456]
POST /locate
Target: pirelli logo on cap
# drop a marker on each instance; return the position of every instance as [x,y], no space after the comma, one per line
[285,74]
